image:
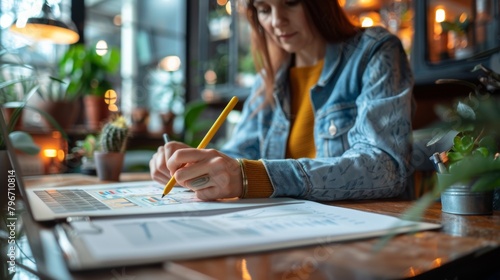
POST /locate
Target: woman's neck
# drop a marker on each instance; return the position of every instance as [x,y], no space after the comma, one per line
[310,56]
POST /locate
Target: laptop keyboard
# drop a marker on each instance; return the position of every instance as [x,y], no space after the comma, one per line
[61,201]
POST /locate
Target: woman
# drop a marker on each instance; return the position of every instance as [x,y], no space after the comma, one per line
[329,117]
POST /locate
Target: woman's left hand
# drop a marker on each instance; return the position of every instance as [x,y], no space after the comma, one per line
[208,172]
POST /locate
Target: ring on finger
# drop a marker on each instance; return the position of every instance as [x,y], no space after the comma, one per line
[199,182]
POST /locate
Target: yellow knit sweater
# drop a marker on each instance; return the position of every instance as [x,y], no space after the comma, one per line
[301,140]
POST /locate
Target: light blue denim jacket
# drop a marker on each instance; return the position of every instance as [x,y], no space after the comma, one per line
[362,132]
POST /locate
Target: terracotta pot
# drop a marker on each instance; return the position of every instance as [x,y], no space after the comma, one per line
[167,121]
[96,111]
[65,113]
[109,165]
[140,119]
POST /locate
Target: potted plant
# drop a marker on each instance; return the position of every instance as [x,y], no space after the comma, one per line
[87,72]
[112,144]
[16,87]
[19,82]
[58,102]
[82,155]
[167,90]
[459,29]
[470,169]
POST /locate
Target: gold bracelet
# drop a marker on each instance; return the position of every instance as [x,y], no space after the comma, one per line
[244,177]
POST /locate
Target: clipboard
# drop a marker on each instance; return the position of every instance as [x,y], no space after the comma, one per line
[101,243]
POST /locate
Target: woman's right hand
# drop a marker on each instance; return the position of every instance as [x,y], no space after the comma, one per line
[158,163]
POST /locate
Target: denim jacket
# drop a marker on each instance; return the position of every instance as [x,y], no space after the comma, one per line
[362,105]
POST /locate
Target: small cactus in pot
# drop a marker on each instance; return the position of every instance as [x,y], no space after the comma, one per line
[112,145]
[114,135]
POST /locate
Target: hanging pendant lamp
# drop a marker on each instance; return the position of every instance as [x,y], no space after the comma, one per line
[46,27]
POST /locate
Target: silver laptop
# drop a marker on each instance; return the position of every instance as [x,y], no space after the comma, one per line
[117,199]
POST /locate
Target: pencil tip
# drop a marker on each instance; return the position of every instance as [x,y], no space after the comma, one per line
[162,195]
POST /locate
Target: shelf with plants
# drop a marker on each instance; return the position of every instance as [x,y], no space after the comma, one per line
[88,73]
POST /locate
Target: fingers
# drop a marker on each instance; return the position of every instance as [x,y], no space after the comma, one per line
[211,174]
[158,168]
[158,163]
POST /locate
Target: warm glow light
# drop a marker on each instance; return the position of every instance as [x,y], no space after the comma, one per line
[56,134]
[438,29]
[60,155]
[463,17]
[228,7]
[208,95]
[366,2]
[44,32]
[39,21]
[451,41]
[440,15]
[170,63]
[366,22]
[210,77]
[117,20]
[412,272]
[110,97]
[245,274]
[361,4]
[101,48]
[113,108]
[437,262]
[50,153]
[221,2]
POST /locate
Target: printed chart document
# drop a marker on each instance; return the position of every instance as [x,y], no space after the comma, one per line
[112,242]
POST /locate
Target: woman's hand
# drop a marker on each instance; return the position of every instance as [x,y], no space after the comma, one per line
[208,172]
[158,163]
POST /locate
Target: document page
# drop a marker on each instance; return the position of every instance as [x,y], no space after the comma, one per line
[259,229]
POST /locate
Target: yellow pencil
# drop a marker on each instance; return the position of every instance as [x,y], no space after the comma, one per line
[210,134]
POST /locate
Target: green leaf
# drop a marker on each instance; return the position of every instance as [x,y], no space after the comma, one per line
[193,112]
[467,169]
[463,144]
[487,182]
[489,143]
[465,111]
[23,142]
[454,156]
[481,151]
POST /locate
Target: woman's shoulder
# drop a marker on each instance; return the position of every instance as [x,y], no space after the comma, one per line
[377,34]
[365,41]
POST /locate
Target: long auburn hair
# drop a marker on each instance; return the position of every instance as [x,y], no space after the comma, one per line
[327,16]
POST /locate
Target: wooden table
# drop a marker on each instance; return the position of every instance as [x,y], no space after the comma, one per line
[465,247]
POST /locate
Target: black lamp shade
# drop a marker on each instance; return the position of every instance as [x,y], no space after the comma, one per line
[47,27]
